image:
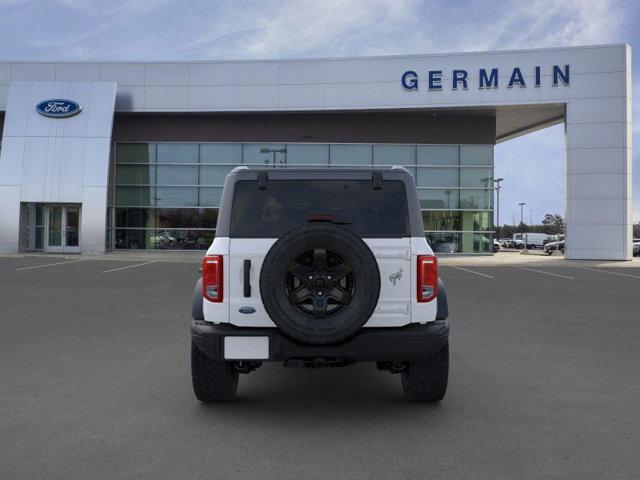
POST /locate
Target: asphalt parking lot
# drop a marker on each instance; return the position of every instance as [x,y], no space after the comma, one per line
[94,383]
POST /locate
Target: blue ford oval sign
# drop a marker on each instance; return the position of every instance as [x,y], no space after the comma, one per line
[247,310]
[58,108]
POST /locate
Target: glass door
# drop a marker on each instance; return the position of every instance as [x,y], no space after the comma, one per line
[55,230]
[72,229]
[62,229]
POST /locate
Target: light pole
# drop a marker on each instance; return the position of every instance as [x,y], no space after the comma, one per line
[497,181]
[522,213]
[524,240]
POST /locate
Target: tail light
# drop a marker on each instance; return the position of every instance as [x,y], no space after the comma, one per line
[427,278]
[212,278]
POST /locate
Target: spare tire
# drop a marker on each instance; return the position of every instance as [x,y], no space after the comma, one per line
[319,283]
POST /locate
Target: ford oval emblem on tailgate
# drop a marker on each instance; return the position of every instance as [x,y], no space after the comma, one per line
[247,310]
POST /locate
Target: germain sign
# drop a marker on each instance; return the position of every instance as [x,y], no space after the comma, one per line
[58,108]
[487,78]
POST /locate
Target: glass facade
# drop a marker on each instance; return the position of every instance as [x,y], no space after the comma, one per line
[166,195]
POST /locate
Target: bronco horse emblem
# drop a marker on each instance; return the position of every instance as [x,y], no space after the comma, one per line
[394,277]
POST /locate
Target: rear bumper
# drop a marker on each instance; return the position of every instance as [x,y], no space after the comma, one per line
[410,343]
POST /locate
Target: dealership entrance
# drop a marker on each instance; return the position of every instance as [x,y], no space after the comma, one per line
[54,228]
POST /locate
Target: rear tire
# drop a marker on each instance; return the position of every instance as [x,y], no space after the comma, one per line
[213,381]
[426,380]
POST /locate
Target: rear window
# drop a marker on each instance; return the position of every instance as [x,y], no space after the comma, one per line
[286,204]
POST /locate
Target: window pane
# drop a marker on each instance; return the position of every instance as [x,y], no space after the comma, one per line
[351,155]
[477,242]
[438,155]
[441,220]
[135,152]
[307,154]
[134,217]
[221,153]
[210,175]
[208,218]
[177,175]
[441,199]
[476,155]
[180,239]
[477,221]
[438,177]
[447,242]
[394,155]
[133,239]
[476,199]
[135,196]
[210,196]
[476,177]
[177,196]
[176,217]
[178,153]
[252,154]
[135,174]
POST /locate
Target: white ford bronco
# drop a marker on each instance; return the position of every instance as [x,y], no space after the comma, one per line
[319,268]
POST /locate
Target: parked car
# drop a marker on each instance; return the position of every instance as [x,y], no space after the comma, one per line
[506,242]
[636,247]
[550,247]
[496,246]
[292,277]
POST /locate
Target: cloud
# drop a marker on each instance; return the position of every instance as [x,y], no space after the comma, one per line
[249,29]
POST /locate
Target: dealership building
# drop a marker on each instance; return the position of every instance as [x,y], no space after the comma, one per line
[99,156]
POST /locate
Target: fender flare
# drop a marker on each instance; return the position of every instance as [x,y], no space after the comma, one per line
[443,306]
[196,307]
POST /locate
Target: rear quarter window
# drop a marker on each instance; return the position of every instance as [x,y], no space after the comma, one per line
[287,204]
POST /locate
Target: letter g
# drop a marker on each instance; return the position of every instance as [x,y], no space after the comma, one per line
[409,80]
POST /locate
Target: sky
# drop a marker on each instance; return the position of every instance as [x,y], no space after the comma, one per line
[532,165]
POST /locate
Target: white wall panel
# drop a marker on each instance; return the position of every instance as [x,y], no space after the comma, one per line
[33,71]
[166,98]
[34,168]
[347,71]
[597,160]
[11,161]
[211,98]
[166,74]
[9,215]
[72,161]
[206,74]
[301,96]
[5,73]
[300,72]
[93,220]
[256,96]
[96,170]
[129,74]
[77,72]
[256,73]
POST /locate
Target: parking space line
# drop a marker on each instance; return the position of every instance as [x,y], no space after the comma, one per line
[544,273]
[130,266]
[470,271]
[49,265]
[610,273]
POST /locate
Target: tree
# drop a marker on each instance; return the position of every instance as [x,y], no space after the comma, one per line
[553,220]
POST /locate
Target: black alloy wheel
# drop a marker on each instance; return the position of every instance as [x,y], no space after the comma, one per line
[320,283]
